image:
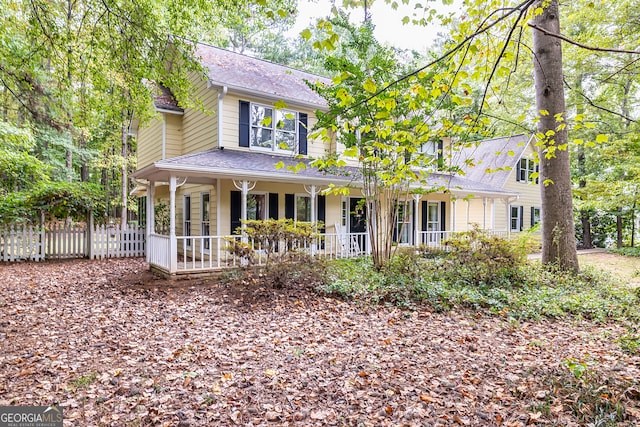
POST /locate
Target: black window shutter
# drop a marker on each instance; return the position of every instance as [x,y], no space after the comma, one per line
[532,216]
[322,211]
[425,212]
[521,217]
[273,205]
[302,133]
[244,124]
[236,210]
[443,216]
[440,155]
[289,206]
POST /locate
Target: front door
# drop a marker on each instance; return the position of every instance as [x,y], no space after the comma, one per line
[431,221]
[357,215]
[358,224]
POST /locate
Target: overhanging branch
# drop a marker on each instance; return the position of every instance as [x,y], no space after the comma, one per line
[582,45]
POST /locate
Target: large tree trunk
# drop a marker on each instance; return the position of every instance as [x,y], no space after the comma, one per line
[619,228]
[124,195]
[558,233]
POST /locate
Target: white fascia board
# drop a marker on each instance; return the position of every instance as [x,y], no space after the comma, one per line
[269,97]
[236,174]
[164,110]
[462,193]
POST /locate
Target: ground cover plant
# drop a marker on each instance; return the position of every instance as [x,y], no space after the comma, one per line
[116,346]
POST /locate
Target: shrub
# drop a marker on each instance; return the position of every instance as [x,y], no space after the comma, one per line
[284,244]
[480,258]
[628,251]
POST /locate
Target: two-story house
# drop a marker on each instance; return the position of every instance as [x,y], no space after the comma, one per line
[216,167]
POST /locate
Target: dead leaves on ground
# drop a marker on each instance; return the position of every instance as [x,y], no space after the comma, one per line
[115,346]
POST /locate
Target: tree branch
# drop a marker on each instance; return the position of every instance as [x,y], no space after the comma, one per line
[599,107]
[522,6]
[584,46]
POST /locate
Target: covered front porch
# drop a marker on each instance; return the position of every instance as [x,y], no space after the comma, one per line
[207,206]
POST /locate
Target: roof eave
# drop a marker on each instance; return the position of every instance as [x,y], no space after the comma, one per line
[268,97]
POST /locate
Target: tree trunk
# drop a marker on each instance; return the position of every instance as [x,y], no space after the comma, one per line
[125,176]
[633,225]
[619,228]
[558,233]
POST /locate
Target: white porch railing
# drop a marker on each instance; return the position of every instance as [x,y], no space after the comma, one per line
[435,239]
[205,253]
[201,253]
[158,251]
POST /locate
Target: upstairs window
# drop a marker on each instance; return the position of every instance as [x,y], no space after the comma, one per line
[526,169]
[266,128]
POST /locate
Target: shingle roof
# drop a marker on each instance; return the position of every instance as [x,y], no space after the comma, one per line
[258,76]
[478,160]
[238,164]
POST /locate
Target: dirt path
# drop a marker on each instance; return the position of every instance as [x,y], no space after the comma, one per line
[116,347]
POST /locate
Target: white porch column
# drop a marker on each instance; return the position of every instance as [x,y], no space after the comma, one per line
[416,227]
[312,190]
[493,215]
[484,213]
[151,211]
[454,211]
[468,212]
[217,233]
[507,205]
[173,242]
[244,186]
[150,217]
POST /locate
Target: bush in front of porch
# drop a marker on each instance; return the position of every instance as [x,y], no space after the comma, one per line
[493,276]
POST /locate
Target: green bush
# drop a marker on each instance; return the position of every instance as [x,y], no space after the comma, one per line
[481,258]
[628,251]
[523,291]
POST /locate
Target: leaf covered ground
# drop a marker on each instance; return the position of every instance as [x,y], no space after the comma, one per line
[117,347]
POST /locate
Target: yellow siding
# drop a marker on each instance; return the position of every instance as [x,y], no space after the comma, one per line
[200,129]
[480,213]
[529,193]
[173,135]
[149,143]
[231,125]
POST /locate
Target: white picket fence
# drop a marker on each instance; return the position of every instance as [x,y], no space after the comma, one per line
[60,241]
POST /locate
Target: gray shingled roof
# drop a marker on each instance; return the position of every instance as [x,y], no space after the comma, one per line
[237,164]
[489,155]
[258,76]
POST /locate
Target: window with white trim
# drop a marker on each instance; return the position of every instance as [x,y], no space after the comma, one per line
[429,148]
[535,215]
[273,130]
[526,170]
[515,219]
[257,206]
[404,222]
[303,208]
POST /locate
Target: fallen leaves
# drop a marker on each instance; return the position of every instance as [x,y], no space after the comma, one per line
[116,346]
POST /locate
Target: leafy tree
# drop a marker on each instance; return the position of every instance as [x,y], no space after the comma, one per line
[252,26]
[490,43]
[385,131]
